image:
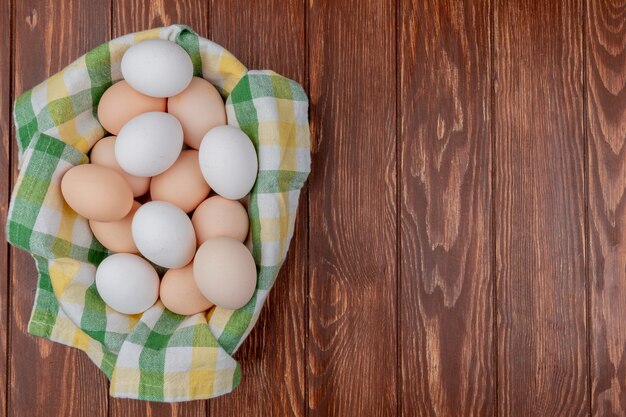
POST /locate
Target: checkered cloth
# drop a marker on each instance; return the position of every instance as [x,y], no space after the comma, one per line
[157,355]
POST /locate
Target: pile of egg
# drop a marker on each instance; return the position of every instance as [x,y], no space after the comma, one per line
[165,188]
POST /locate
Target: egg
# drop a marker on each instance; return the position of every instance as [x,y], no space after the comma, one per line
[228,161]
[225,272]
[120,103]
[217,216]
[127,283]
[182,184]
[164,234]
[116,236]
[157,68]
[149,144]
[96,192]
[103,153]
[180,294]
[199,109]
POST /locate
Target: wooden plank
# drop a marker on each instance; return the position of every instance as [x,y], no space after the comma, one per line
[5,186]
[352,345]
[273,357]
[132,17]
[540,209]
[446,288]
[606,131]
[47,378]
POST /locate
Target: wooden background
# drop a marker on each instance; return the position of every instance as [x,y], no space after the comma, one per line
[460,248]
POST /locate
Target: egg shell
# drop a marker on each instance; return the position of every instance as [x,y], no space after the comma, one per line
[182,184]
[157,68]
[97,193]
[180,294]
[121,102]
[127,283]
[228,161]
[149,144]
[164,234]
[217,216]
[199,109]
[225,272]
[116,236]
[103,153]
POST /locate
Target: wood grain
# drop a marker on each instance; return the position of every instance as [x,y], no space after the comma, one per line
[606,130]
[540,209]
[352,349]
[446,288]
[273,357]
[39,370]
[133,16]
[5,186]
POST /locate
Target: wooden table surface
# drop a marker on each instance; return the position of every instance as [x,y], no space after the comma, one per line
[460,248]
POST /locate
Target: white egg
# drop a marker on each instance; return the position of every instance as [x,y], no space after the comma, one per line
[149,144]
[164,234]
[127,283]
[228,161]
[157,68]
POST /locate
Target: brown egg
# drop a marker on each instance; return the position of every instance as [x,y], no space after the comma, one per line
[225,272]
[217,216]
[182,184]
[180,294]
[103,153]
[97,193]
[116,236]
[199,108]
[120,103]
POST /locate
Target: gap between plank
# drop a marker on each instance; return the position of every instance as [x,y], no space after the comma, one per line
[10,191]
[398,30]
[307,78]
[493,234]
[586,196]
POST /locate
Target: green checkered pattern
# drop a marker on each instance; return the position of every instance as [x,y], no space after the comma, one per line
[157,355]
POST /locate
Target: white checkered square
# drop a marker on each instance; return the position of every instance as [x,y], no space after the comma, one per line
[48,221]
[178,358]
[81,233]
[270,253]
[303,159]
[60,170]
[117,322]
[39,97]
[269,205]
[76,77]
[269,157]
[266,109]
[129,356]
[86,274]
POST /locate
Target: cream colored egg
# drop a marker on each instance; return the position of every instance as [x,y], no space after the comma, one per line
[116,236]
[218,216]
[182,184]
[199,109]
[103,153]
[180,294]
[97,193]
[121,102]
[225,272]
